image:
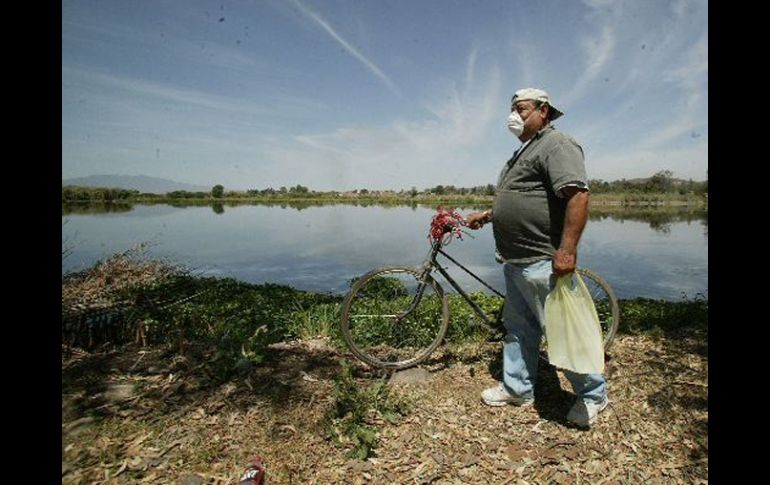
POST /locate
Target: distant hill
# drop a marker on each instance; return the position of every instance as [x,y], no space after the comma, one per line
[142,183]
[642,181]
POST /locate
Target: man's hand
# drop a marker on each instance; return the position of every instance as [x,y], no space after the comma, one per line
[477,219]
[564,262]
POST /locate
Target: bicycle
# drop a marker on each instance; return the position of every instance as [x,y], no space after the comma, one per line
[395,317]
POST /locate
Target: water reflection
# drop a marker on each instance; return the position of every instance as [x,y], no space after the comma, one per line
[659,218]
[95,208]
[667,214]
[641,252]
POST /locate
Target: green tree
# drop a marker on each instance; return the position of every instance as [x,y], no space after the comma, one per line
[598,186]
[217,191]
[299,189]
[662,181]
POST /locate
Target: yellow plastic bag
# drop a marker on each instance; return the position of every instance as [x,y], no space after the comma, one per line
[572,328]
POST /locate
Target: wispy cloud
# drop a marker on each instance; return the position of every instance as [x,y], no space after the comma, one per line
[160,129]
[216,55]
[599,3]
[654,110]
[470,67]
[678,80]
[118,87]
[690,77]
[404,149]
[349,48]
[694,70]
[632,76]
[598,51]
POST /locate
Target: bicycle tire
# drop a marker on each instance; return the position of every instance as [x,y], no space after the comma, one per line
[372,336]
[606,304]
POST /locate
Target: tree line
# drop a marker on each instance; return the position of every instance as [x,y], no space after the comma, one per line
[73,193]
[662,182]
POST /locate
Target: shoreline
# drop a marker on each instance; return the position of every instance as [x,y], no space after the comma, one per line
[596,200]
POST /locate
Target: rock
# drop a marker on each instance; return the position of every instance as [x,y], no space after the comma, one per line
[119,392]
[415,375]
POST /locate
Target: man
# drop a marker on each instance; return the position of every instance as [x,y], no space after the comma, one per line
[538,216]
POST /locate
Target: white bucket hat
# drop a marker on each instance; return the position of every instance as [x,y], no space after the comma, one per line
[535,94]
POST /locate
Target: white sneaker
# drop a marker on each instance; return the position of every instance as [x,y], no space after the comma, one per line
[499,396]
[584,413]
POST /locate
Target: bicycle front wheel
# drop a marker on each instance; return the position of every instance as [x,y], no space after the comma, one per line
[394,317]
[606,305]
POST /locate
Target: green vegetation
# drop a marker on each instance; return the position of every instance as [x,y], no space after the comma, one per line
[217,191]
[127,299]
[72,194]
[660,189]
[353,418]
[643,315]
[662,182]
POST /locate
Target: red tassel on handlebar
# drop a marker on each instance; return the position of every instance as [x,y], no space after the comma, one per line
[446,222]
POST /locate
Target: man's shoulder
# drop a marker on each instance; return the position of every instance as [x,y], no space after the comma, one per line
[555,135]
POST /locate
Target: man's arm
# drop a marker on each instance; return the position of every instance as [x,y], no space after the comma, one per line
[575,218]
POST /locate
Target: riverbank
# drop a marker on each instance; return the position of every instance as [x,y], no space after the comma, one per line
[174,377]
[129,298]
[599,205]
[629,199]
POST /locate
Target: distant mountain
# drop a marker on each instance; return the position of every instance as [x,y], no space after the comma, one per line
[142,183]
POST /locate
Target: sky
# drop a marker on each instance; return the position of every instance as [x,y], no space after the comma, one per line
[350,94]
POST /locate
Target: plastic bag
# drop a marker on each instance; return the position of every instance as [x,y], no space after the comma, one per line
[572,327]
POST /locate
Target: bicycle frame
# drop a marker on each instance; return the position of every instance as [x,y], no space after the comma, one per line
[381,353]
[431,263]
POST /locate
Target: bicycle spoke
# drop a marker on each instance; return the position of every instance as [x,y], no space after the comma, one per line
[374,316]
[391,317]
[606,304]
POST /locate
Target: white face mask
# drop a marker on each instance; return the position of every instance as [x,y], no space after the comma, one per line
[515,124]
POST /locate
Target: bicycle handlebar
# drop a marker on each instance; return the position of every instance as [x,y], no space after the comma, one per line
[446,222]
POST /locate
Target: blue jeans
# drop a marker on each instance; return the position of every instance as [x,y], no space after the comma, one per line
[526,289]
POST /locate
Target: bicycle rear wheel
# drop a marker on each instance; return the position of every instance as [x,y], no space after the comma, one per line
[393,319]
[606,305]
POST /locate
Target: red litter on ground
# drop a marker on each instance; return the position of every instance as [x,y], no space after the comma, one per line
[254,474]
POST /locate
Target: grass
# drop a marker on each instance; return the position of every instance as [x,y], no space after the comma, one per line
[319,320]
[238,320]
[660,318]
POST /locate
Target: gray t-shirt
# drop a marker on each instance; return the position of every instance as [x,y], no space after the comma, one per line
[528,214]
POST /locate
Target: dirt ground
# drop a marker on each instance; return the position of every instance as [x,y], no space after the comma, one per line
[145,416]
